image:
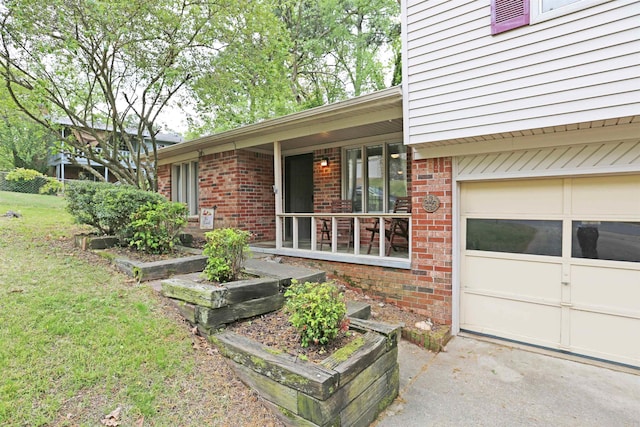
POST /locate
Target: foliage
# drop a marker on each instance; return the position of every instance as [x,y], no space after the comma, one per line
[317,311]
[51,186]
[305,54]
[22,180]
[24,142]
[156,226]
[111,68]
[107,207]
[226,249]
[81,202]
[116,203]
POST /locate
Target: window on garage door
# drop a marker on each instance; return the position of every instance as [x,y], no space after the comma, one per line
[607,240]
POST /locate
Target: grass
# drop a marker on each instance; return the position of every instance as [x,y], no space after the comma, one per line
[78,340]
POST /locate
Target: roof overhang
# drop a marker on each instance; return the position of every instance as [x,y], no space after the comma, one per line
[367,116]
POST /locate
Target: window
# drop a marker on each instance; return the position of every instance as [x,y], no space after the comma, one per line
[184,185]
[516,236]
[374,184]
[608,240]
[547,5]
[509,14]
[542,10]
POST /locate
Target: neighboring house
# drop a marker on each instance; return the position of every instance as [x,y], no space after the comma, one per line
[516,142]
[61,166]
[531,109]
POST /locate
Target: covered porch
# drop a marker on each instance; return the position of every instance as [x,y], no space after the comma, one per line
[281,178]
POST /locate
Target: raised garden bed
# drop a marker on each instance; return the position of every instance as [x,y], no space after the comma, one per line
[349,388]
[92,241]
[191,261]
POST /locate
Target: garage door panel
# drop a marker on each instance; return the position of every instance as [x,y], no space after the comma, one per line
[535,197]
[606,196]
[534,323]
[606,337]
[584,295]
[506,276]
[613,289]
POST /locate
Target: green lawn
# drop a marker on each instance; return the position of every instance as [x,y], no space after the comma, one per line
[78,340]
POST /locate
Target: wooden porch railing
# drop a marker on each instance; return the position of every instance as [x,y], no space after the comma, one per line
[361,236]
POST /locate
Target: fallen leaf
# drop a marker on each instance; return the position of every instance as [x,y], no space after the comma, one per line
[140,422]
[111,420]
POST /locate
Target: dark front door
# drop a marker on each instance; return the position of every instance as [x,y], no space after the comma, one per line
[298,193]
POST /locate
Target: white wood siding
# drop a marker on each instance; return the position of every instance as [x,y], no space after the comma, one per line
[459,81]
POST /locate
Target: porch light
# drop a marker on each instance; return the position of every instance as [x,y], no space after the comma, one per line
[324,162]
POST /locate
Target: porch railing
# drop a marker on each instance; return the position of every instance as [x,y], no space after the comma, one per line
[361,236]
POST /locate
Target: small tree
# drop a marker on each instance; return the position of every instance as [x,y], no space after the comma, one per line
[226,249]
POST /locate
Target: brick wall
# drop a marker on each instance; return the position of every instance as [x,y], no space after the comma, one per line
[164,180]
[256,208]
[432,242]
[326,180]
[239,185]
[426,288]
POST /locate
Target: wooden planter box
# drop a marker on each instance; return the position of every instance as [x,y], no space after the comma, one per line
[91,241]
[347,389]
[161,269]
[350,388]
[210,307]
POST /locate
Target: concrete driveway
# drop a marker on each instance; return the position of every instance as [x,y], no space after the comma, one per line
[482,383]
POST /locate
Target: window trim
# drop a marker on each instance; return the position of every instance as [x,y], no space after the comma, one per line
[536,14]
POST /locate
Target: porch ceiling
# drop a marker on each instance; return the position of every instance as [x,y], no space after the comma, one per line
[378,113]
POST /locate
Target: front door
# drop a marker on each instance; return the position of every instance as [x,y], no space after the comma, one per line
[298,193]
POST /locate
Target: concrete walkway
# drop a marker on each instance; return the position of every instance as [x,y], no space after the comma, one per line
[478,383]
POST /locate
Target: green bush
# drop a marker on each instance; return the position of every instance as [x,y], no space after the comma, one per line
[226,249]
[22,180]
[156,226]
[81,202]
[51,186]
[107,207]
[116,203]
[317,311]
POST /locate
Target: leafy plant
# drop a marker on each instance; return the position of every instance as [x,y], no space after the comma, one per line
[226,249]
[116,203]
[81,203]
[156,226]
[107,207]
[21,180]
[51,186]
[317,311]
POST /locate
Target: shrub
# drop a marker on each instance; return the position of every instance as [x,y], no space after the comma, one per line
[81,203]
[116,203]
[51,186]
[107,207]
[317,311]
[226,249]
[156,226]
[22,180]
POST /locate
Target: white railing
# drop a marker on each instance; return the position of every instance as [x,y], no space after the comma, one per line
[361,222]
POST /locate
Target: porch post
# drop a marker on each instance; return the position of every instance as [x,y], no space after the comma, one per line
[277,189]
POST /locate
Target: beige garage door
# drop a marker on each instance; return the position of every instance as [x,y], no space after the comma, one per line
[555,263]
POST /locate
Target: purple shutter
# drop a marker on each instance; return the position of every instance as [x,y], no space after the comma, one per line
[508,14]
